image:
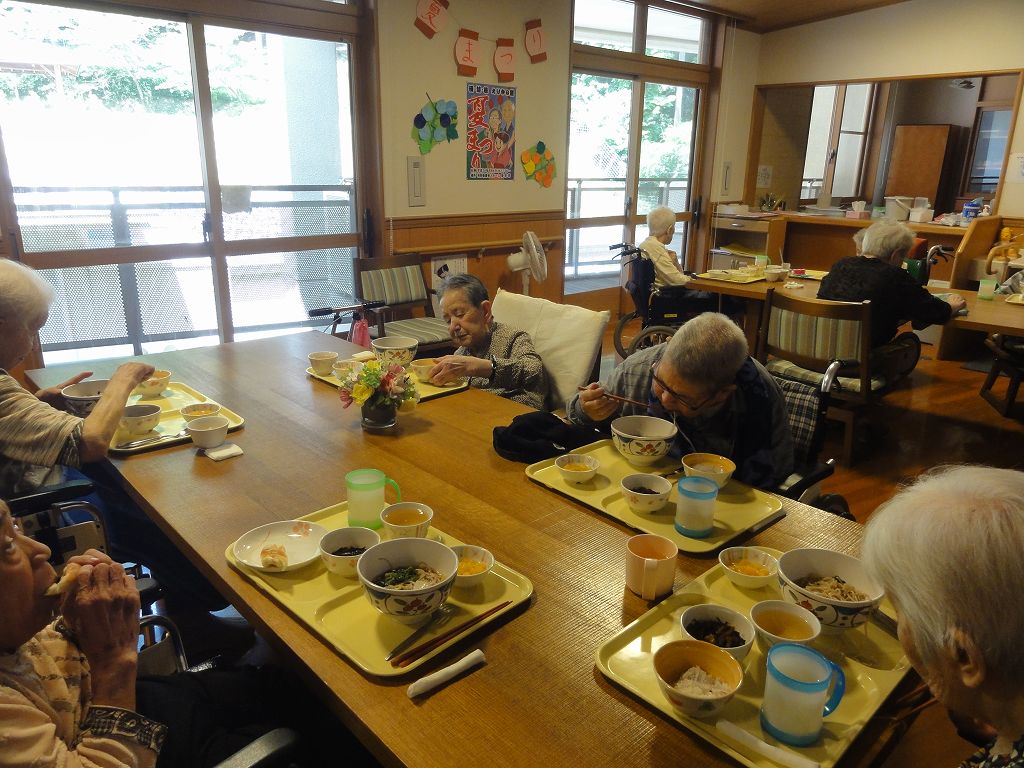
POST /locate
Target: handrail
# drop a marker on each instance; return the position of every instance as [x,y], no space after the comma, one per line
[476,248]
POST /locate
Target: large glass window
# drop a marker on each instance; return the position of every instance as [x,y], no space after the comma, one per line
[106,155]
[991,133]
[836,139]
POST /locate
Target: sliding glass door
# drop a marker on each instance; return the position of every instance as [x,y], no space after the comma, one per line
[176,182]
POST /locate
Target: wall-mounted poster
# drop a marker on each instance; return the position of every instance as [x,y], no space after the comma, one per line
[490,131]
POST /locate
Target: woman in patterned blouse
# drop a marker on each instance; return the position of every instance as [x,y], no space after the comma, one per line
[947,551]
[495,357]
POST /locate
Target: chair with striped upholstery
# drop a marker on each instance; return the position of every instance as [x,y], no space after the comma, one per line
[398,282]
[800,338]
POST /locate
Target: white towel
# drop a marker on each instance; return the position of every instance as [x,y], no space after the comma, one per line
[442,676]
[223,451]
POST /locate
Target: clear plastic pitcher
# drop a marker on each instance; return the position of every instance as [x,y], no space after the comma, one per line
[366,496]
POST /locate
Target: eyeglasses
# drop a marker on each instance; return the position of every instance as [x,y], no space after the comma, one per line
[676,396]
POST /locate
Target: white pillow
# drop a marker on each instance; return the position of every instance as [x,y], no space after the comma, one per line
[567,338]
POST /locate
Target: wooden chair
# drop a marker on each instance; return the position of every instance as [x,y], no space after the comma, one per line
[1009,359]
[800,338]
[398,282]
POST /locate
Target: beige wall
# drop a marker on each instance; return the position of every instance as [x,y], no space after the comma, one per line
[739,70]
[411,66]
[918,37]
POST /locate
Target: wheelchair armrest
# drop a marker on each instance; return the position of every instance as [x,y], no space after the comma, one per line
[44,497]
[270,750]
[793,487]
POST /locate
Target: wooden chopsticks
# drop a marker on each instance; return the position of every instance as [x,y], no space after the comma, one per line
[619,398]
[407,658]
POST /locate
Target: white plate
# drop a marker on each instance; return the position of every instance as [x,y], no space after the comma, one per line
[301,540]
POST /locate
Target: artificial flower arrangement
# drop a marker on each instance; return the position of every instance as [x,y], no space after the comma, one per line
[379,387]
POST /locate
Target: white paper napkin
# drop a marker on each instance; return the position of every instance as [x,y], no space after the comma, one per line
[223,451]
[773,753]
[442,676]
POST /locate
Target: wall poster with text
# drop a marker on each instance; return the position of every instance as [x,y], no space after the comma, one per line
[490,131]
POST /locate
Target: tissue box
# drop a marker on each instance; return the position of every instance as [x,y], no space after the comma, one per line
[858,214]
[921,215]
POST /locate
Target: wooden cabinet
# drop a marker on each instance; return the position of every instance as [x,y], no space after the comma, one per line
[922,163]
[751,237]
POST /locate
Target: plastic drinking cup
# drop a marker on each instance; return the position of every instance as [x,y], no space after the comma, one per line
[650,565]
[695,507]
[366,496]
[986,289]
[796,693]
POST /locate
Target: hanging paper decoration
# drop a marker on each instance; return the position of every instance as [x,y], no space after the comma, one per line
[538,164]
[431,16]
[490,131]
[467,52]
[436,122]
[535,41]
[504,59]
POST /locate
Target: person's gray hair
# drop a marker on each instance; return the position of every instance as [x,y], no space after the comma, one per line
[708,351]
[659,220]
[947,550]
[24,295]
[476,291]
[884,238]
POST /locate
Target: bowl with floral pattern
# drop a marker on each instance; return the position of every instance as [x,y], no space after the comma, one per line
[408,579]
[642,440]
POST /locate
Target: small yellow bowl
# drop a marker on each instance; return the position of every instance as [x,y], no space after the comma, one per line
[475,559]
[716,468]
[155,385]
[197,410]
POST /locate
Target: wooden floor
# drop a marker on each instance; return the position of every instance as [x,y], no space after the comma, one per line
[935,417]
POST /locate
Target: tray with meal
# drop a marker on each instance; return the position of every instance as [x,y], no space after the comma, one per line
[726,694]
[284,560]
[738,508]
[171,421]
[733,275]
[427,390]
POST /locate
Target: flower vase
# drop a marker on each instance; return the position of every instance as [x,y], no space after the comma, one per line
[378,417]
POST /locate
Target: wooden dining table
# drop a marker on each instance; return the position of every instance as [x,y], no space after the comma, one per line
[539,699]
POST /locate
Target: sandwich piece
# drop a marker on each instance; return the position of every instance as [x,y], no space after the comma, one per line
[274,556]
[67,578]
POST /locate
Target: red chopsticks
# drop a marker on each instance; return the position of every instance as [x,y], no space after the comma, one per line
[407,658]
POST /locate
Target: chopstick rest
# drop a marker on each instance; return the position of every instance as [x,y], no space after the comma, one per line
[442,676]
[223,451]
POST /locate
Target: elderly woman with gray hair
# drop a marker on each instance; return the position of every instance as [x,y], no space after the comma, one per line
[703,380]
[947,551]
[876,274]
[495,357]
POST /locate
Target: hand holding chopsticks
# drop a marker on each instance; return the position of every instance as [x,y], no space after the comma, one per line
[424,648]
[617,398]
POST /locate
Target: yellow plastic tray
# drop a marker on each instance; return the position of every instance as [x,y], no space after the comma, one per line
[871,659]
[809,274]
[739,507]
[336,609]
[427,391]
[731,276]
[171,401]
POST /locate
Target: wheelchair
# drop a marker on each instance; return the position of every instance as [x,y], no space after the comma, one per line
[655,317]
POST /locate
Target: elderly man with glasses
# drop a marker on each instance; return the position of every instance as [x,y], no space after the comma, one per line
[703,380]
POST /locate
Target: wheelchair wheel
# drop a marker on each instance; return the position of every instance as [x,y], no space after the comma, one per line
[629,326]
[836,504]
[650,336]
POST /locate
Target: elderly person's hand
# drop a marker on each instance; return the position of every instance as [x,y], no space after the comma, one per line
[100,425]
[102,610]
[453,367]
[956,302]
[133,372]
[595,404]
[52,395]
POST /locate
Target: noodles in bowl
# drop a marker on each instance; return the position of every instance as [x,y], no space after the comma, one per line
[409,578]
[831,585]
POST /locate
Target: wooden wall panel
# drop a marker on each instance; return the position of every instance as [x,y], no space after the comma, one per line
[491,268]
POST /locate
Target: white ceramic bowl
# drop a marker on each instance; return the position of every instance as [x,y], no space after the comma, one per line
[775,273]
[642,502]
[798,564]
[642,440]
[406,519]
[716,468]
[577,476]
[140,419]
[208,431]
[674,658]
[198,410]
[342,368]
[413,605]
[82,397]
[729,556]
[155,385]
[473,554]
[422,368]
[300,539]
[710,611]
[770,628]
[392,350]
[322,362]
[332,541]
